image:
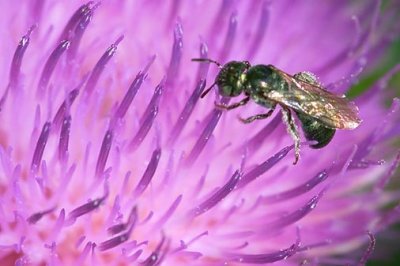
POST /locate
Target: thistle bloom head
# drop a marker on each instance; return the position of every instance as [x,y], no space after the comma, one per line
[109,156]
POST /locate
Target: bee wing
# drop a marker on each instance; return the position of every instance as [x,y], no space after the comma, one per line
[332,110]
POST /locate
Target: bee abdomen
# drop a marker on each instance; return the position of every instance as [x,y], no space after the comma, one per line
[315,131]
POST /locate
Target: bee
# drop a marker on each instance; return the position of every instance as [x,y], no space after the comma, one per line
[319,111]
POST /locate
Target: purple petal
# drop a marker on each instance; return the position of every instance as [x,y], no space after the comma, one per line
[266,257]
[149,173]
[57,226]
[230,37]
[147,118]
[260,32]
[80,28]
[86,208]
[368,252]
[50,66]
[297,191]
[169,212]
[223,12]
[40,145]
[115,229]
[130,94]
[84,254]
[156,256]
[80,241]
[219,195]
[363,39]
[115,241]
[64,107]
[155,100]
[17,59]
[99,67]
[203,68]
[265,166]
[176,55]
[295,216]
[204,136]
[186,112]
[118,228]
[256,142]
[74,20]
[64,138]
[103,154]
[144,129]
[394,166]
[34,218]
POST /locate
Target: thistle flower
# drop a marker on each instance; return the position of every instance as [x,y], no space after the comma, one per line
[109,157]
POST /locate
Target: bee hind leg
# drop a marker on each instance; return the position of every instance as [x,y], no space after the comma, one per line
[257,117]
[234,105]
[294,133]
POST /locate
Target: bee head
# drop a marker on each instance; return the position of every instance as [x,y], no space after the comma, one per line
[231,77]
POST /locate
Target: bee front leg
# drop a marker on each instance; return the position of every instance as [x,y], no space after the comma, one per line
[292,129]
[257,117]
[234,105]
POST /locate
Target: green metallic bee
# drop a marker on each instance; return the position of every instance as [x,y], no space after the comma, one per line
[320,112]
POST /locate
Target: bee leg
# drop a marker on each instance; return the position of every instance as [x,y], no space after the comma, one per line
[257,117]
[234,105]
[294,133]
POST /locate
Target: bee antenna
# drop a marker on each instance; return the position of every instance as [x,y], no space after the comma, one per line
[207,90]
[207,60]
